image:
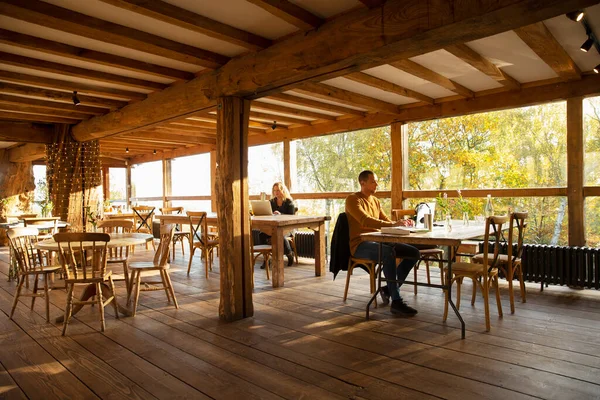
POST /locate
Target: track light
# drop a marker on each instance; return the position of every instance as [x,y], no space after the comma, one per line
[75,98]
[126,149]
[597,69]
[274,126]
[154,152]
[587,45]
[575,15]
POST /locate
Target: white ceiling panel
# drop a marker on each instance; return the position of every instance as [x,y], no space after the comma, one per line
[347,84]
[296,106]
[394,75]
[305,96]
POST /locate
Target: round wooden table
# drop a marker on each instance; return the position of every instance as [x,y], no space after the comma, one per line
[116,240]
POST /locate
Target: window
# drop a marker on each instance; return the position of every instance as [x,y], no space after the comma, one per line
[591,134]
[265,167]
[147,180]
[190,176]
[117,178]
[40,196]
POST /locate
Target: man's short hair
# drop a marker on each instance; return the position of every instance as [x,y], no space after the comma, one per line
[364,176]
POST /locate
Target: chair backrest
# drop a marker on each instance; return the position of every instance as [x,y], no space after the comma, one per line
[399,213]
[518,221]
[198,226]
[143,218]
[21,241]
[161,257]
[50,224]
[493,233]
[83,255]
[116,225]
[171,210]
[340,246]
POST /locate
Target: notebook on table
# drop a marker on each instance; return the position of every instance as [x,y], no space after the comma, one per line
[261,207]
[396,230]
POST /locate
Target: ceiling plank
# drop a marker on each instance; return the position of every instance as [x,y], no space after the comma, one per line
[62,19]
[325,52]
[328,92]
[373,3]
[170,137]
[290,13]
[484,65]
[542,42]
[83,88]
[77,53]
[27,152]
[420,71]
[289,110]
[52,105]
[301,101]
[55,95]
[26,132]
[29,109]
[183,18]
[62,69]
[278,119]
[15,116]
[381,84]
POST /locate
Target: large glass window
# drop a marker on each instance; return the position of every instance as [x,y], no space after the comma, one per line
[265,167]
[193,205]
[147,180]
[190,176]
[117,178]
[523,147]
[40,197]
[591,132]
[592,222]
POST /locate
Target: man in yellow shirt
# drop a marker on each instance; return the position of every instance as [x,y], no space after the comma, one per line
[365,215]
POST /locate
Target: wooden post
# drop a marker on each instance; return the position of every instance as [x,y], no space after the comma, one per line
[233,209]
[128,185]
[287,178]
[105,183]
[399,139]
[575,171]
[167,183]
[213,180]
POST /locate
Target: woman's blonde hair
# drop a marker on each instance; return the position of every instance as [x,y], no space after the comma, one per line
[284,190]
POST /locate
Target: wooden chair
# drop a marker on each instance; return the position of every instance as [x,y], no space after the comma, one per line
[511,263]
[50,226]
[118,255]
[29,262]
[83,257]
[160,263]
[179,234]
[487,270]
[143,217]
[371,267]
[200,239]
[265,250]
[428,253]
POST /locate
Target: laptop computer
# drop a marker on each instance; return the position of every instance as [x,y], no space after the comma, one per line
[261,207]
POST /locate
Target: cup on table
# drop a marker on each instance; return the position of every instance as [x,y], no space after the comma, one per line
[480,219]
[428,221]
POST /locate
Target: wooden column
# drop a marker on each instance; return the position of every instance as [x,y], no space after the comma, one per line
[167,182]
[575,171]
[128,185]
[233,209]
[287,178]
[213,180]
[399,139]
[105,183]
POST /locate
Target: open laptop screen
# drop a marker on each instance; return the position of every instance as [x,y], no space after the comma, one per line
[261,207]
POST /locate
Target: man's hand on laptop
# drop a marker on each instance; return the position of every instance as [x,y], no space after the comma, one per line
[404,222]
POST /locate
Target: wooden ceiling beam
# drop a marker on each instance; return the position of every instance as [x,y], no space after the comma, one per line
[180,152]
[390,87]
[174,15]
[26,132]
[301,101]
[77,72]
[279,119]
[198,132]
[343,96]
[411,67]
[52,105]
[373,3]
[193,123]
[542,42]
[77,53]
[170,137]
[83,88]
[290,110]
[28,109]
[27,152]
[16,116]
[133,143]
[484,65]
[62,19]
[330,51]
[55,95]
[290,13]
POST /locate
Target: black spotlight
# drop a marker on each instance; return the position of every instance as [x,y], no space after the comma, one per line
[76,100]
[274,125]
[597,69]
[126,149]
[575,15]
[154,152]
[587,45]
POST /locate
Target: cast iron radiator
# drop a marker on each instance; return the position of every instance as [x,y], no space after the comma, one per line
[305,242]
[559,265]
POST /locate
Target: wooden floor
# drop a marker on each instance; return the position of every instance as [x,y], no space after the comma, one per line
[303,342]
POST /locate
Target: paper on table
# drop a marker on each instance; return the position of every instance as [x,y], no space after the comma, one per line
[395,230]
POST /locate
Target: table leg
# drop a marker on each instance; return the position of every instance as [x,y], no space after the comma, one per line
[88,292]
[277,245]
[320,250]
[451,254]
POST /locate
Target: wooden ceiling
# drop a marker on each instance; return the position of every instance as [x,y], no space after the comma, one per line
[148,73]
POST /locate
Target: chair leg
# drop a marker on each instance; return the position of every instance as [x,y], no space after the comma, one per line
[21,282]
[35,289]
[205,254]
[474,291]
[267,257]
[192,251]
[171,288]
[415,279]
[68,308]
[486,306]
[497,288]
[136,295]
[511,295]
[100,300]
[165,285]
[427,269]
[372,281]
[347,282]
[114,296]
[47,297]
[522,284]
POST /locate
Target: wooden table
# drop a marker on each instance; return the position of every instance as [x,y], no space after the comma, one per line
[116,240]
[125,215]
[20,224]
[439,237]
[276,226]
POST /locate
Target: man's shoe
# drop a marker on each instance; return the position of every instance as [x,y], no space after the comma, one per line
[290,257]
[399,307]
[264,264]
[385,295]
